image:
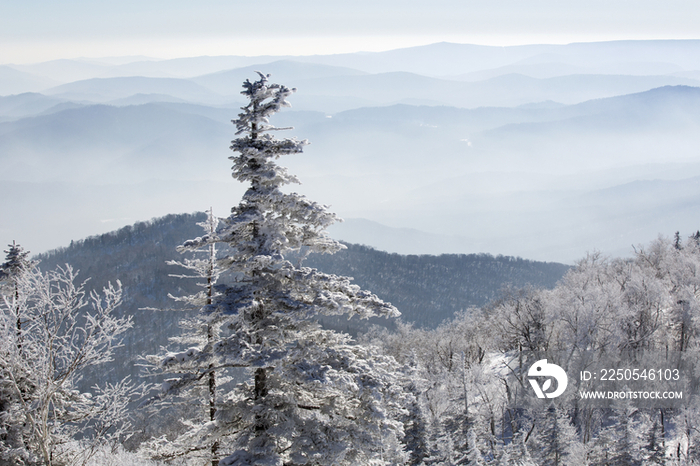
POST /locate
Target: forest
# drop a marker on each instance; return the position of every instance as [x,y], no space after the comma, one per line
[274,356]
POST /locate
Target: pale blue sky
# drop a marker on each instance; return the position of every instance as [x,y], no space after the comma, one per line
[35,30]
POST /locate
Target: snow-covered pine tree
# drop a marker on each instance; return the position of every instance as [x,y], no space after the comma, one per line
[621,441]
[16,262]
[558,439]
[627,448]
[197,400]
[207,331]
[654,449]
[473,455]
[516,453]
[416,421]
[313,396]
[12,436]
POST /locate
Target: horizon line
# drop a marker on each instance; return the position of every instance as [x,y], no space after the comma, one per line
[146,58]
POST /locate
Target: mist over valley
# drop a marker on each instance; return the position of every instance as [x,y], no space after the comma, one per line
[543,152]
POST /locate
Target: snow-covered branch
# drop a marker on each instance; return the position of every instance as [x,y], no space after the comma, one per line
[51,332]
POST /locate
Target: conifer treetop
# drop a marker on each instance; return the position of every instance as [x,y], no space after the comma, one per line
[266,99]
[311,395]
[267,221]
[258,148]
[16,261]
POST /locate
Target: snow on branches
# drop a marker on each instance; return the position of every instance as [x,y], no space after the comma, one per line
[51,332]
[309,395]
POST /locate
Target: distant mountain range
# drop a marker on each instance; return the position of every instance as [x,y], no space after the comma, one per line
[13,81]
[333,89]
[528,151]
[441,59]
[438,74]
[111,89]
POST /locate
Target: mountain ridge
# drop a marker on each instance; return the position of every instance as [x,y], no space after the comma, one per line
[379,163]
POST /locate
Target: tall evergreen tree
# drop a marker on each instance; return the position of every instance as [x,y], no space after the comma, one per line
[654,449]
[199,332]
[558,439]
[416,428]
[13,438]
[473,455]
[16,262]
[621,442]
[16,265]
[313,396]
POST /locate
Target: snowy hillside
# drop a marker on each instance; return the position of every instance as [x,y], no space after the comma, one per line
[426,289]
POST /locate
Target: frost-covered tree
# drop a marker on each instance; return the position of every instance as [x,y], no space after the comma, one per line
[16,265]
[209,271]
[558,439]
[473,455]
[313,396]
[194,403]
[415,423]
[687,448]
[654,449]
[620,443]
[516,453]
[63,332]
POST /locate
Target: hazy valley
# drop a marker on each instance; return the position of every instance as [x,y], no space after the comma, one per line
[543,152]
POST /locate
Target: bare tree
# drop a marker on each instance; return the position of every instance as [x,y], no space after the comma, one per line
[63,331]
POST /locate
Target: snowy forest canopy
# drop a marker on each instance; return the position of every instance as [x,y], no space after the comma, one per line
[254,379]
